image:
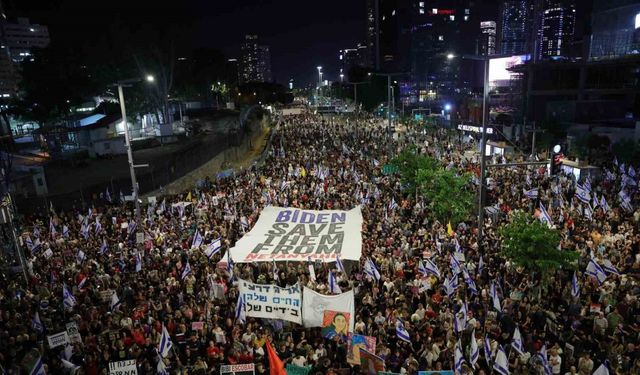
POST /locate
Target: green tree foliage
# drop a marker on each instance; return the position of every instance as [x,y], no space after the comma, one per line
[448,193]
[533,245]
[409,162]
[626,150]
[590,145]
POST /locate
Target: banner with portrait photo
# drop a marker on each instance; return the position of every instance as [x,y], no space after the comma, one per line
[271,301]
[290,234]
[370,363]
[357,342]
[335,324]
[315,304]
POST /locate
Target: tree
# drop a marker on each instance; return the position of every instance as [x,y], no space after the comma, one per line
[409,162]
[448,193]
[530,244]
[626,150]
[591,144]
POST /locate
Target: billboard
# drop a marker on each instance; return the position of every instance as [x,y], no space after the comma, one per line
[499,75]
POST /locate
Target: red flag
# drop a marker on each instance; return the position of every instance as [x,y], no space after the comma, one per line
[276,367]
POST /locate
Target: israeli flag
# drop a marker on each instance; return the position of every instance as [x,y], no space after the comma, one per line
[104,247]
[494,296]
[121,197]
[36,232]
[98,226]
[275,271]
[213,248]
[575,288]
[393,205]
[241,311]
[431,268]
[602,370]
[229,266]
[36,323]
[162,368]
[197,240]
[165,344]
[474,353]
[608,267]
[371,270]
[516,341]
[312,271]
[451,284]
[470,283]
[594,269]
[82,282]
[38,368]
[458,358]
[582,194]
[68,299]
[460,319]
[486,344]
[604,204]
[339,265]
[587,184]
[455,265]
[65,231]
[501,365]
[85,231]
[544,215]
[186,271]
[115,301]
[480,265]
[457,244]
[401,332]
[632,172]
[333,284]
[81,256]
[531,194]
[545,361]
[52,228]
[421,269]
[244,223]
[138,262]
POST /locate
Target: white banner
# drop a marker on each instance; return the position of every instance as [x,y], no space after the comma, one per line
[61,338]
[314,304]
[271,301]
[74,333]
[123,367]
[290,234]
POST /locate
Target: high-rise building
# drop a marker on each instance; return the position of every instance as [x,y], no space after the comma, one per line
[21,37]
[352,57]
[264,64]
[557,29]
[487,38]
[516,22]
[615,29]
[372,34]
[255,61]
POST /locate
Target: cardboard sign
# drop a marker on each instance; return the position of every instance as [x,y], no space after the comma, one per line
[357,342]
[197,325]
[74,333]
[245,369]
[123,368]
[58,339]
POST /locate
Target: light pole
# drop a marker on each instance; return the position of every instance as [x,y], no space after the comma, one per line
[388,75]
[127,140]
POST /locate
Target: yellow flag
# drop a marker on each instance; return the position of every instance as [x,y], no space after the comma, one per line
[189,197]
[303,172]
[449,229]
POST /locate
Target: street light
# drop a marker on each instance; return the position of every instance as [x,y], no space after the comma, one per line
[450,56]
[127,138]
[341,77]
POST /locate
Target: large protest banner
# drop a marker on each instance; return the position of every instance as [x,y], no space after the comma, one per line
[245,369]
[290,234]
[127,367]
[315,304]
[370,363]
[271,301]
[357,342]
[55,340]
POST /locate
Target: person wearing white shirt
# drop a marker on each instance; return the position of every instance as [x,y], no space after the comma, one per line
[555,361]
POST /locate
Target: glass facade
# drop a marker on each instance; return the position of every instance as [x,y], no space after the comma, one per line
[614,31]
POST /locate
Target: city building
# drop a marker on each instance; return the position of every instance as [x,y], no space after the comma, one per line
[255,61]
[516,22]
[352,57]
[557,29]
[21,37]
[372,34]
[487,38]
[615,29]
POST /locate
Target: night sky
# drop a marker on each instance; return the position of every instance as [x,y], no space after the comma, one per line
[301,34]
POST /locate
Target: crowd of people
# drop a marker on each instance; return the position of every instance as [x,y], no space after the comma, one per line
[90,269]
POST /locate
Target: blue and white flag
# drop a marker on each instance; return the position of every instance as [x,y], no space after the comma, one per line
[104,247]
[545,361]
[36,232]
[115,301]
[65,231]
[161,368]
[455,265]
[450,285]
[486,344]
[98,226]
[401,332]
[457,245]
[121,197]
[474,352]
[244,223]
[531,194]
[516,341]
[393,205]
[582,194]
[197,240]
[602,370]
[138,262]
[501,365]
[312,271]
[587,184]
[68,299]
[575,287]
[52,228]
[213,248]
[38,368]
[85,230]
[480,265]
[186,271]
[36,323]
[494,296]
[339,265]
[431,268]
[81,256]
[544,215]
[165,344]
[460,319]
[470,283]
[276,275]
[608,267]
[458,358]
[230,266]
[594,269]
[371,270]
[333,284]
[604,204]
[241,309]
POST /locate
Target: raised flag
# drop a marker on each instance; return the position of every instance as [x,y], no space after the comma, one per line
[457,245]
[458,358]
[138,262]
[494,296]
[339,265]
[545,361]
[333,284]
[115,301]
[594,269]
[531,194]
[450,231]
[455,265]
[52,228]
[312,271]
[582,194]
[68,299]
[38,368]
[165,344]
[501,365]
[241,312]
[544,215]
[608,267]
[470,283]
[575,288]
[276,366]
[186,271]
[104,247]
[460,319]
[480,265]
[197,240]
[371,269]
[602,370]
[275,270]
[486,344]
[213,248]
[36,323]
[474,352]
[401,331]
[516,341]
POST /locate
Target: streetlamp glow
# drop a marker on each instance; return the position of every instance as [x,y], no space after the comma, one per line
[447,107]
[150,78]
[450,56]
